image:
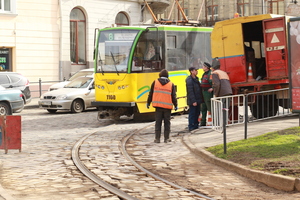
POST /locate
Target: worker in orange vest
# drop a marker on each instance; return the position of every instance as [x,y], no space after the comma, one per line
[163,97]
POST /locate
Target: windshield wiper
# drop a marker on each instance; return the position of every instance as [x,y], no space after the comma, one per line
[114,62]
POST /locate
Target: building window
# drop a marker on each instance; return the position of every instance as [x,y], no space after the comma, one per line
[211,12]
[243,7]
[276,7]
[7,6]
[121,19]
[77,37]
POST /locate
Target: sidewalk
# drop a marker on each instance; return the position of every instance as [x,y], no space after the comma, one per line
[200,139]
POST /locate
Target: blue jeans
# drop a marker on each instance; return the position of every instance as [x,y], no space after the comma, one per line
[194,112]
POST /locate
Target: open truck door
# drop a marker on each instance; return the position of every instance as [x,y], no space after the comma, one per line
[276,48]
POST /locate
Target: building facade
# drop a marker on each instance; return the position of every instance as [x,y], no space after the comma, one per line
[52,39]
[210,11]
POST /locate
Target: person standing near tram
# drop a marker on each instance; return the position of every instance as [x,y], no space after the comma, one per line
[163,96]
[220,80]
[207,91]
[194,98]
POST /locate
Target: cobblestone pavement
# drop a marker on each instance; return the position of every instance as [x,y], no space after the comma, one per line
[44,170]
[175,162]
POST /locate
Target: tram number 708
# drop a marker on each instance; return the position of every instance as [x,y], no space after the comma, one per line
[111,97]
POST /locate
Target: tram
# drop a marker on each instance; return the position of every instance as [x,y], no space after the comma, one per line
[128,59]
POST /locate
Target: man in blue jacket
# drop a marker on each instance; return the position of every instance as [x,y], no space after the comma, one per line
[194,98]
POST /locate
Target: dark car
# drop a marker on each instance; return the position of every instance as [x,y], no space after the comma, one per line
[16,81]
[11,101]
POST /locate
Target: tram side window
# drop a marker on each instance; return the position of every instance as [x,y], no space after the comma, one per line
[176,51]
[198,48]
[147,54]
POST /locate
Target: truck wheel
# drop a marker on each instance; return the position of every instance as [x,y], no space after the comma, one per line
[264,106]
[5,109]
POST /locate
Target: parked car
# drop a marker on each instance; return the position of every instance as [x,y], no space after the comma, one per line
[76,96]
[11,101]
[16,81]
[83,72]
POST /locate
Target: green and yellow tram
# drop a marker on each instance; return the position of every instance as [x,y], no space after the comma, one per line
[128,59]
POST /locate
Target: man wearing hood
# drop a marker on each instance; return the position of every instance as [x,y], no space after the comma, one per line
[163,97]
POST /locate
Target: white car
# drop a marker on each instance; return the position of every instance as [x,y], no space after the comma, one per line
[76,96]
[83,72]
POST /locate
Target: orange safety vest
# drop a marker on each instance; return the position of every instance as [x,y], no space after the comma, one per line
[162,95]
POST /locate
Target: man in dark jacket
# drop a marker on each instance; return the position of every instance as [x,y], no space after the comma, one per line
[163,97]
[194,98]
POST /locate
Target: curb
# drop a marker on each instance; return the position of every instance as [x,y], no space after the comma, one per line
[31,106]
[279,182]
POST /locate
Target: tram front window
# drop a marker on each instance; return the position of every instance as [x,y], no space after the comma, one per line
[114,50]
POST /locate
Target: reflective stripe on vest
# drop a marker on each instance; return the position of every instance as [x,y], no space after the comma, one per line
[162,95]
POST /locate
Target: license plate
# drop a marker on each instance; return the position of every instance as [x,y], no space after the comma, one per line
[46,103]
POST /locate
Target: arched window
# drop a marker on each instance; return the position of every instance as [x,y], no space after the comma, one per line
[77,37]
[122,19]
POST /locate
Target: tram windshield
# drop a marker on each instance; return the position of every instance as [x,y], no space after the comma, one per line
[114,50]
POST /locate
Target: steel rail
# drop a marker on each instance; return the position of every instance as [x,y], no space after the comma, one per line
[92,176]
[123,149]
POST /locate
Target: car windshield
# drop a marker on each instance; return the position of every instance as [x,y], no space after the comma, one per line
[81,73]
[81,82]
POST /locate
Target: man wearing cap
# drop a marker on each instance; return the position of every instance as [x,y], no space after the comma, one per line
[221,82]
[207,91]
[163,96]
[194,98]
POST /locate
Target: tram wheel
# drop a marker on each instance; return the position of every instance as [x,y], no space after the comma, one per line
[141,117]
[264,106]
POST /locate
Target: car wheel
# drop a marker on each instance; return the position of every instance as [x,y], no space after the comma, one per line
[77,106]
[5,109]
[51,111]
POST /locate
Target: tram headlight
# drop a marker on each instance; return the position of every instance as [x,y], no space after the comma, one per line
[122,87]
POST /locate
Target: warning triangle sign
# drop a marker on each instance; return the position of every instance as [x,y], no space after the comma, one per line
[275,39]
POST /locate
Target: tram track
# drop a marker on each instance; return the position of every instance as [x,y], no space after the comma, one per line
[123,180]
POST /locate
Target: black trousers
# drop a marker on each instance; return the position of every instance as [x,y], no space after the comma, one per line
[162,114]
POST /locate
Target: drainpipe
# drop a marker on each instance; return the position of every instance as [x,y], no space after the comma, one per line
[263,7]
[60,42]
